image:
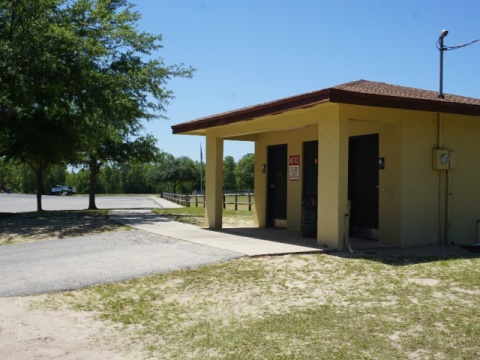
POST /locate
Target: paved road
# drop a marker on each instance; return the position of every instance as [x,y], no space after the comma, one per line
[68,264]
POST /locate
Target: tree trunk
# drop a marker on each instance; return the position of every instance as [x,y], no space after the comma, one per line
[94,168]
[38,170]
[39,189]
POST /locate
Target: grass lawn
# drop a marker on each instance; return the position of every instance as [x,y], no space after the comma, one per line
[298,307]
[196,216]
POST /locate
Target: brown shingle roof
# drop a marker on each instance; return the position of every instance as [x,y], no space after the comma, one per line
[378,88]
[361,92]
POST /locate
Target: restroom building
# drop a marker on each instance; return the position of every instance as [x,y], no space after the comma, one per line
[364,159]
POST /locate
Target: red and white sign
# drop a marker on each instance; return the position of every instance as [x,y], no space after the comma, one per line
[294,162]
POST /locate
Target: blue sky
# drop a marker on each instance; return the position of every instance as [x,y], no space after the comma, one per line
[248,52]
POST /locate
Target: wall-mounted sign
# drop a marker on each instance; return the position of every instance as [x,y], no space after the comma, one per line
[381,163]
[294,163]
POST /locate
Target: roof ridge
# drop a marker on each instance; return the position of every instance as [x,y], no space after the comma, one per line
[351,83]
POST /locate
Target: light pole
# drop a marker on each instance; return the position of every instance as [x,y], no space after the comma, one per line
[443,33]
[443,48]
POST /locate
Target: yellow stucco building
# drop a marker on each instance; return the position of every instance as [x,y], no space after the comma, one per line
[364,159]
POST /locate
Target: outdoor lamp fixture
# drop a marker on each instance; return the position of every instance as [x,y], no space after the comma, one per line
[440,46]
[443,48]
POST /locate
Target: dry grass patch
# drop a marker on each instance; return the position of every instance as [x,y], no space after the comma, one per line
[298,307]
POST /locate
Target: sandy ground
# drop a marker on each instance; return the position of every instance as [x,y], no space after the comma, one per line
[26,333]
[68,335]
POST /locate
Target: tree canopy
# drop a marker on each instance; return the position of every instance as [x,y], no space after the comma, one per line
[178,171]
[76,79]
[245,171]
[229,181]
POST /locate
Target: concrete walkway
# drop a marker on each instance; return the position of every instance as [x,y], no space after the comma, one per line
[247,241]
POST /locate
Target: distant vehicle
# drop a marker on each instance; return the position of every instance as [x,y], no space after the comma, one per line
[62,190]
[57,190]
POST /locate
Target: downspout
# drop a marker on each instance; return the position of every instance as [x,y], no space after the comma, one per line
[447,207]
[439,145]
[443,197]
[346,226]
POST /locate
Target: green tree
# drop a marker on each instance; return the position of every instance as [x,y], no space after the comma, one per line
[56,174]
[178,173]
[124,85]
[229,180]
[245,171]
[27,141]
[7,174]
[76,79]
[25,181]
[116,149]
[140,178]
[79,180]
[37,85]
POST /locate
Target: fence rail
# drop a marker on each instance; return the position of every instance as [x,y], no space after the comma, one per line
[243,200]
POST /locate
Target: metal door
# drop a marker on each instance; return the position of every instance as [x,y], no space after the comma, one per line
[277,186]
[363,185]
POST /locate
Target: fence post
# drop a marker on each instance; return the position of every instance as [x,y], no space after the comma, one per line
[224,201]
[187,200]
[249,201]
[236,201]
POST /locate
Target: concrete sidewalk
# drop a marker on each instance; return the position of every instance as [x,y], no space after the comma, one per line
[164,204]
[247,241]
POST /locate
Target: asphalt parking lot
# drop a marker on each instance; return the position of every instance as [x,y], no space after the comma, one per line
[74,263]
[13,203]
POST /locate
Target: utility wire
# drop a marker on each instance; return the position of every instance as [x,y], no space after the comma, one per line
[445,48]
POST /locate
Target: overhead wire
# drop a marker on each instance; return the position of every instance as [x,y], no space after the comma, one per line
[445,48]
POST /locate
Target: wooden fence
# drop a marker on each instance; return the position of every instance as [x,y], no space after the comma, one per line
[243,200]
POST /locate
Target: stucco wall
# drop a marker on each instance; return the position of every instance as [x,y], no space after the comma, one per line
[416,206]
[364,121]
[294,139]
[408,186]
[461,134]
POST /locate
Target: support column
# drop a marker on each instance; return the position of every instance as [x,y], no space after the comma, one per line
[214,182]
[332,181]
[260,184]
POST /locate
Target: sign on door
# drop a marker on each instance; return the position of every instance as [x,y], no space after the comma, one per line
[294,163]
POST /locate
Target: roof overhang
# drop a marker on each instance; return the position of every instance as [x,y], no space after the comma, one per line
[456,105]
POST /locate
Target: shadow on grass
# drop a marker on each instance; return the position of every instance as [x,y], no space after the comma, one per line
[54,224]
[409,256]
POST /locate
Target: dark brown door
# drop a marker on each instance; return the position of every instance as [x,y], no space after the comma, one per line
[309,189]
[277,184]
[363,185]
